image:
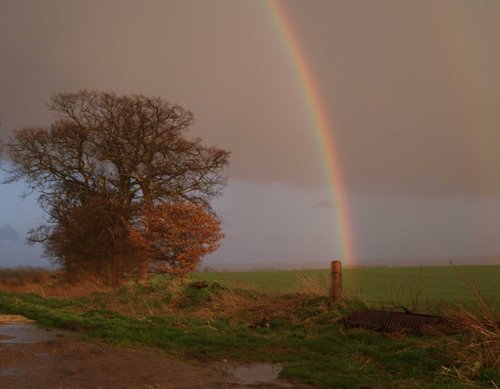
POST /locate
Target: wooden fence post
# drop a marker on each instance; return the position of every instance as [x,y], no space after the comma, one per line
[336,281]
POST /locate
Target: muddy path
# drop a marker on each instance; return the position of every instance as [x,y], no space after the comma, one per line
[34,358]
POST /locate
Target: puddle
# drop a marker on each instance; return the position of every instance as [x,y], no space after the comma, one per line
[26,333]
[254,374]
[19,329]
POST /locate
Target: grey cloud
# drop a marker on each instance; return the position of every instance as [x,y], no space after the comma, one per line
[275,238]
[327,203]
[7,233]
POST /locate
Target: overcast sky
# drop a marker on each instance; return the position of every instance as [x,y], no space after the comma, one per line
[412,88]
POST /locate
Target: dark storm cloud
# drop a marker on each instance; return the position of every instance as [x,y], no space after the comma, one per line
[7,233]
[412,89]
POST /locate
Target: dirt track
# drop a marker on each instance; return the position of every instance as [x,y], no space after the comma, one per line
[69,362]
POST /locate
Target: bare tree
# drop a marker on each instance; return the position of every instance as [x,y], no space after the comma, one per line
[117,156]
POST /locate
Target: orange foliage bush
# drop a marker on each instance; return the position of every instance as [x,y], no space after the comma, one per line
[176,236]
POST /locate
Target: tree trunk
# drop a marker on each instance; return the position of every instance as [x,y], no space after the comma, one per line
[142,275]
[145,184]
[118,271]
[118,257]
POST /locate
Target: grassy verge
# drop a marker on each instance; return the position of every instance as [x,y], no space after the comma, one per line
[208,321]
[418,287]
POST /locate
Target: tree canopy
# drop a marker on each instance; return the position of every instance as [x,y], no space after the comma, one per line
[175,236]
[105,162]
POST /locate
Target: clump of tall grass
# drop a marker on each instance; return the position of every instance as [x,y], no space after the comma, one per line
[17,278]
[315,284]
[47,283]
[477,345]
[481,325]
[210,301]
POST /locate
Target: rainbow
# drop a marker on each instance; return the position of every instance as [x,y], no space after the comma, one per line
[321,124]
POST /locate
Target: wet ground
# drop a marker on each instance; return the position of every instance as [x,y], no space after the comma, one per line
[37,358]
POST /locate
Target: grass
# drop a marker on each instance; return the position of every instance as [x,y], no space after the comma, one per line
[379,286]
[250,317]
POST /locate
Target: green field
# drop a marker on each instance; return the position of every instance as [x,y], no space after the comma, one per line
[285,317]
[378,286]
